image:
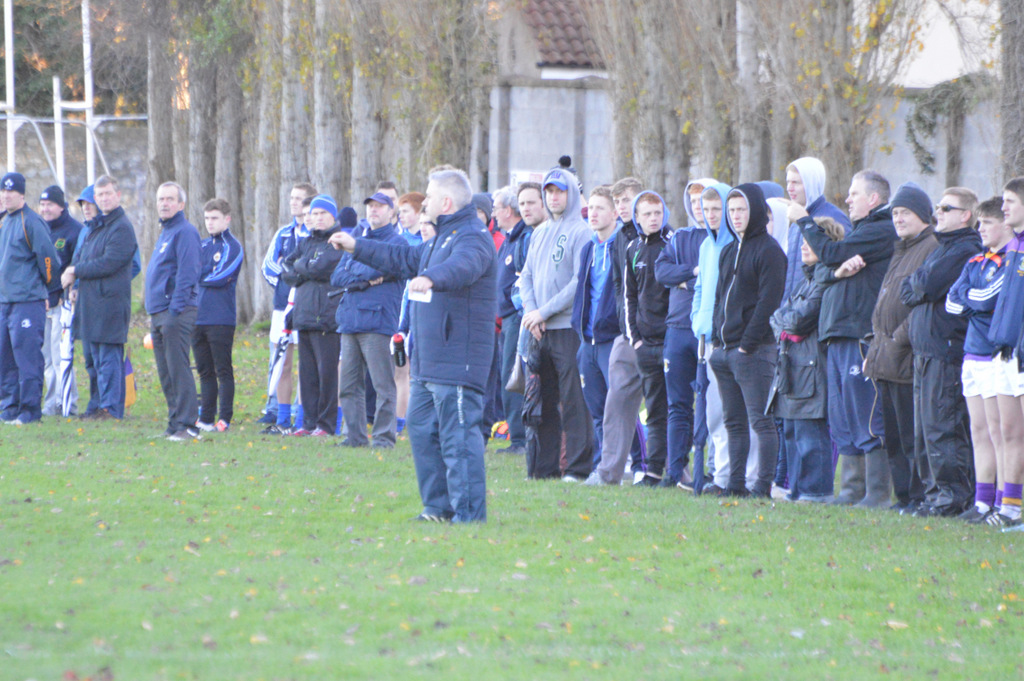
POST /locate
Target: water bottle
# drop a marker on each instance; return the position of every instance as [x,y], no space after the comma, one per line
[398,340]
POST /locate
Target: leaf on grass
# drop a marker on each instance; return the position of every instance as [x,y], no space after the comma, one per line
[896,624]
[147,626]
[257,639]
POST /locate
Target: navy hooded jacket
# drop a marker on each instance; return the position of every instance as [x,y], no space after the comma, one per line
[375,309]
[454,332]
[751,279]
[172,276]
[674,270]
[511,260]
[220,262]
[605,318]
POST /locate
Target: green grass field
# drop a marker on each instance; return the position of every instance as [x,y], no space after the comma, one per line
[123,556]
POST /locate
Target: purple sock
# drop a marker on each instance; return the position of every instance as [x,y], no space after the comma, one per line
[999,498]
[985,493]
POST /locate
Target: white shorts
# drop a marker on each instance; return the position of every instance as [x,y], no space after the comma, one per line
[277,327]
[981,378]
[1012,380]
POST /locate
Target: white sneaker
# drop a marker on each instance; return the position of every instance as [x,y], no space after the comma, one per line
[570,478]
[206,427]
[638,476]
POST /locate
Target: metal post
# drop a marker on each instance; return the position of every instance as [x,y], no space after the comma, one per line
[9,72]
[58,131]
[90,152]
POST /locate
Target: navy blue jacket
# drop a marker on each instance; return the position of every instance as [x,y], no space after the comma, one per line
[674,270]
[28,260]
[511,259]
[172,276]
[103,270]
[933,331]
[64,233]
[606,322]
[454,332]
[308,270]
[375,309]
[220,262]
[1005,331]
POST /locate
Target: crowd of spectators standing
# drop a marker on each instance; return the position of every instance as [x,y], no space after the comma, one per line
[752,348]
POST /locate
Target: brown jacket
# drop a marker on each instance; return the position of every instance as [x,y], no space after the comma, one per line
[890,357]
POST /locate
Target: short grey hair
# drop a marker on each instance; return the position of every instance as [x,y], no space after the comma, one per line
[507,197]
[455,185]
[104,180]
[181,191]
[876,184]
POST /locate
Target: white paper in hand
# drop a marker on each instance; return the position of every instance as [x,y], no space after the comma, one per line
[421,296]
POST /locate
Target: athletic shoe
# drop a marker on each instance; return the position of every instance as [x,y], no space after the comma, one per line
[974,516]
[1000,520]
[185,435]
[1014,526]
[714,490]
[268,418]
[425,517]
[320,432]
[595,480]
[205,427]
[570,478]
[685,486]
[349,443]
[300,432]
[779,492]
[222,426]
[647,481]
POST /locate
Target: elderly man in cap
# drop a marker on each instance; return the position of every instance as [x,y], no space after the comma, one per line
[64,233]
[28,267]
[367,317]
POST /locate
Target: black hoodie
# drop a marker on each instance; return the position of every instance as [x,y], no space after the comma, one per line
[751,279]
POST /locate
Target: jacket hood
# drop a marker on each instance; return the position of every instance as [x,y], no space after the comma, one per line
[779,222]
[664,215]
[759,216]
[706,183]
[812,172]
[771,190]
[573,207]
[724,235]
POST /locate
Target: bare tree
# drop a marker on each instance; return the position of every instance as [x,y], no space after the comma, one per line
[160,91]
[1012,40]
[330,77]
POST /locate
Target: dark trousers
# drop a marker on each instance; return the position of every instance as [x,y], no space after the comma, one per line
[854,413]
[512,402]
[22,328]
[809,452]
[680,377]
[563,410]
[942,434]
[898,415]
[650,360]
[493,408]
[592,360]
[104,362]
[211,348]
[743,383]
[318,379]
[448,449]
[171,337]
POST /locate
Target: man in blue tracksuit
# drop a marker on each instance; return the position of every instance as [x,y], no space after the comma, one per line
[518,227]
[214,334]
[367,319]
[172,283]
[103,267]
[676,269]
[285,241]
[28,265]
[64,233]
[452,308]
[593,310]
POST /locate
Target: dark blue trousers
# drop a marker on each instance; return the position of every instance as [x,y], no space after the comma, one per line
[22,327]
[592,359]
[512,402]
[104,362]
[854,405]
[680,373]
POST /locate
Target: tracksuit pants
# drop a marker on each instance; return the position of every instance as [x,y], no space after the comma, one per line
[172,335]
[211,348]
[22,328]
[318,380]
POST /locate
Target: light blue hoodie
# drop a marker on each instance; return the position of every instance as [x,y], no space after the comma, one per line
[707,272]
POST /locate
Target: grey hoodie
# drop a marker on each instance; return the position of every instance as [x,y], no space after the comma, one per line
[548,281]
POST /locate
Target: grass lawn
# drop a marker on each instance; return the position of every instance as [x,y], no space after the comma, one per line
[123,556]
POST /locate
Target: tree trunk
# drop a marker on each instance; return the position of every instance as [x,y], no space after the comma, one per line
[295,133]
[160,89]
[368,112]
[331,154]
[228,181]
[748,108]
[202,124]
[1012,40]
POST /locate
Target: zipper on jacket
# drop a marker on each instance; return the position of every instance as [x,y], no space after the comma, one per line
[725,309]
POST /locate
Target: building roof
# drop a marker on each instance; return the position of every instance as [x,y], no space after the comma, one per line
[562,34]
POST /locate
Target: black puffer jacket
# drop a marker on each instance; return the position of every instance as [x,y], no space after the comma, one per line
[847,304]
[308,269]
[933,331]
[751,279]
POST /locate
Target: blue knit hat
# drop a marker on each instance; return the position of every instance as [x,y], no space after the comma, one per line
[14,182]
[348,218]
[325,202]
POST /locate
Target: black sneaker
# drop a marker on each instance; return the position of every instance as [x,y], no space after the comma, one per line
[268,417]
[425,517]
[714,490]
[647,481]
[1000,520]
[274,429]
[973,516]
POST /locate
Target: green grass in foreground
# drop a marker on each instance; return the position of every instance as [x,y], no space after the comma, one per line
[123,556]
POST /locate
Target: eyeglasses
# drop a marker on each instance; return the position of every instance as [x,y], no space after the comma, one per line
[946,208]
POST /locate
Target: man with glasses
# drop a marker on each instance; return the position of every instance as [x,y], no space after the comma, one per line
[940,412]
